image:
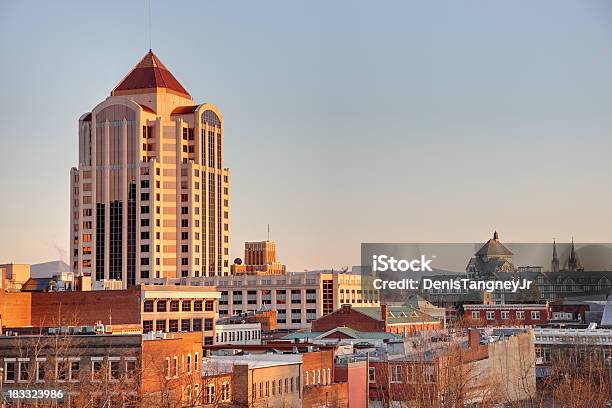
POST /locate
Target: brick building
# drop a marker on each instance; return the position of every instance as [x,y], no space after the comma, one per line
[260,380]
[354,373]
[402,320]
[521,315]
[415,378]
[171,369]
[120,368]
[331,395]
[150,307]
[259,259]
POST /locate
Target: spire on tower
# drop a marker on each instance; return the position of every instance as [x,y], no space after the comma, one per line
[573,263]
[554,264]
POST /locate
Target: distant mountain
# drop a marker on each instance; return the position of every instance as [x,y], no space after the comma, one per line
[48,269]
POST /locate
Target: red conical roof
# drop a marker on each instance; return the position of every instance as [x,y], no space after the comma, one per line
[149,74]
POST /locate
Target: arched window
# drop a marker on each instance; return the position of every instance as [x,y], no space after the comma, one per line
[210,118]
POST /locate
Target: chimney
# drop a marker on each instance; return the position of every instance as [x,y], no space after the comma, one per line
[384,311]
[473,339]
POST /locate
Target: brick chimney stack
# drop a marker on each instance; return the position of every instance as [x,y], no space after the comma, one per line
[473,339]
[384,312]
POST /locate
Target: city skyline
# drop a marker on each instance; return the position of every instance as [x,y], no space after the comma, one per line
[295,92]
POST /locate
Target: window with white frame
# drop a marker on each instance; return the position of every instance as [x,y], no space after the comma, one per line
[10,370]
[209,397]
[97,369]
[225,390]
[130,367]
[75,369]
[505,314]
[114,371]
[396,374]
[520,315]
[24,369]
[535,315]
[61,370]
[490,315]
[41,363]
[168,369]
[475,314]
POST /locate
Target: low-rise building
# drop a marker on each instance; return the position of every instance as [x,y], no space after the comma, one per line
[575,345]
[260,380]
[93,369]
[153,307]
[457,373]
[237,333]
[405,321]
[519,315]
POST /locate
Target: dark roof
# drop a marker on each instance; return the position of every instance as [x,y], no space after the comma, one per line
[181,110]
[146,108]
[494,248]
[149,73]
[36,285]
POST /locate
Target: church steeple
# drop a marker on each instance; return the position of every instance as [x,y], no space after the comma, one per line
[573,263]
[554,264]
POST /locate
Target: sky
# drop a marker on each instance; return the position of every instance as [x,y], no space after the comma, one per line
[345,121]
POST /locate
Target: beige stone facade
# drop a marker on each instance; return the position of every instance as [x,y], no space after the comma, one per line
[150,196]
[298,297]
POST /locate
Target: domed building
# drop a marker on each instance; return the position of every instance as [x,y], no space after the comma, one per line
[490,260]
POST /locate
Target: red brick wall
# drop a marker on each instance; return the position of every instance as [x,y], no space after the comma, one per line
[318,360]
[512,320]
[333,395]
[346,316]
[355,374]
[86,308]
[154,354]
[15,309]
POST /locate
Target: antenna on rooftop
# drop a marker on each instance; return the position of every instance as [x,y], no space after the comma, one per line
[150,25]
[268,232]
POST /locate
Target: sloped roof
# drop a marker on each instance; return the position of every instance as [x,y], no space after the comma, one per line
[397,314]
[36,285]
[182,110]
[348,331]
[149,74]
[494,248]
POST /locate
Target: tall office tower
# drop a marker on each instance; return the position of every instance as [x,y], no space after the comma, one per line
[150,198]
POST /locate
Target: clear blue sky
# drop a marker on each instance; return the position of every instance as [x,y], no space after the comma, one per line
[395,121]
